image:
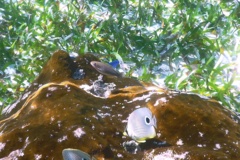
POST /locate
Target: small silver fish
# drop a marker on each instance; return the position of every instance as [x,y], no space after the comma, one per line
[75,154]
[105,69]
[141,125]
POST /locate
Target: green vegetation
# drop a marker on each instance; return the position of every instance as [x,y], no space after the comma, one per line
[194,44]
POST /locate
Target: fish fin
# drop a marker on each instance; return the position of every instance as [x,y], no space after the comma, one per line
[141,141]
[125,133]
[154,123]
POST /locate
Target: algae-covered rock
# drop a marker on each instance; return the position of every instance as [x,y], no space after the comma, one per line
[71,105]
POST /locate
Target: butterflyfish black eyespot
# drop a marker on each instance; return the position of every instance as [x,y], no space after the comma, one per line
[147,120]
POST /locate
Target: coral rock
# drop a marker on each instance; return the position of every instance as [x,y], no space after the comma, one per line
[70,105]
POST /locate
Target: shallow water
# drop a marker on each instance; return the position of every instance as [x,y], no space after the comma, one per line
[89,112]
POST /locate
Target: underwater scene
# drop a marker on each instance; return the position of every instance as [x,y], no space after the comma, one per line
[73,111]
[136,79]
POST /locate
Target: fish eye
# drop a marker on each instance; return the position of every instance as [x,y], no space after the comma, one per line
[147,120]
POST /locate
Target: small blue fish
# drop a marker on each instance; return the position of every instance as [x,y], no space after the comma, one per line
[114,63]
[105,69]
[75,154]
[141,125]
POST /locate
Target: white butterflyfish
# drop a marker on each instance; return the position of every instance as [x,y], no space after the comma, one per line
[141,125]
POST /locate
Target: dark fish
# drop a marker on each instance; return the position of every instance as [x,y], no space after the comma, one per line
[75,154]
[105,69]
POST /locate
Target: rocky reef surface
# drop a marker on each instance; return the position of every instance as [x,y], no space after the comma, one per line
[71,105]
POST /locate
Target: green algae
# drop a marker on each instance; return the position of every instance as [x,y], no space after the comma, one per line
[57,112]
